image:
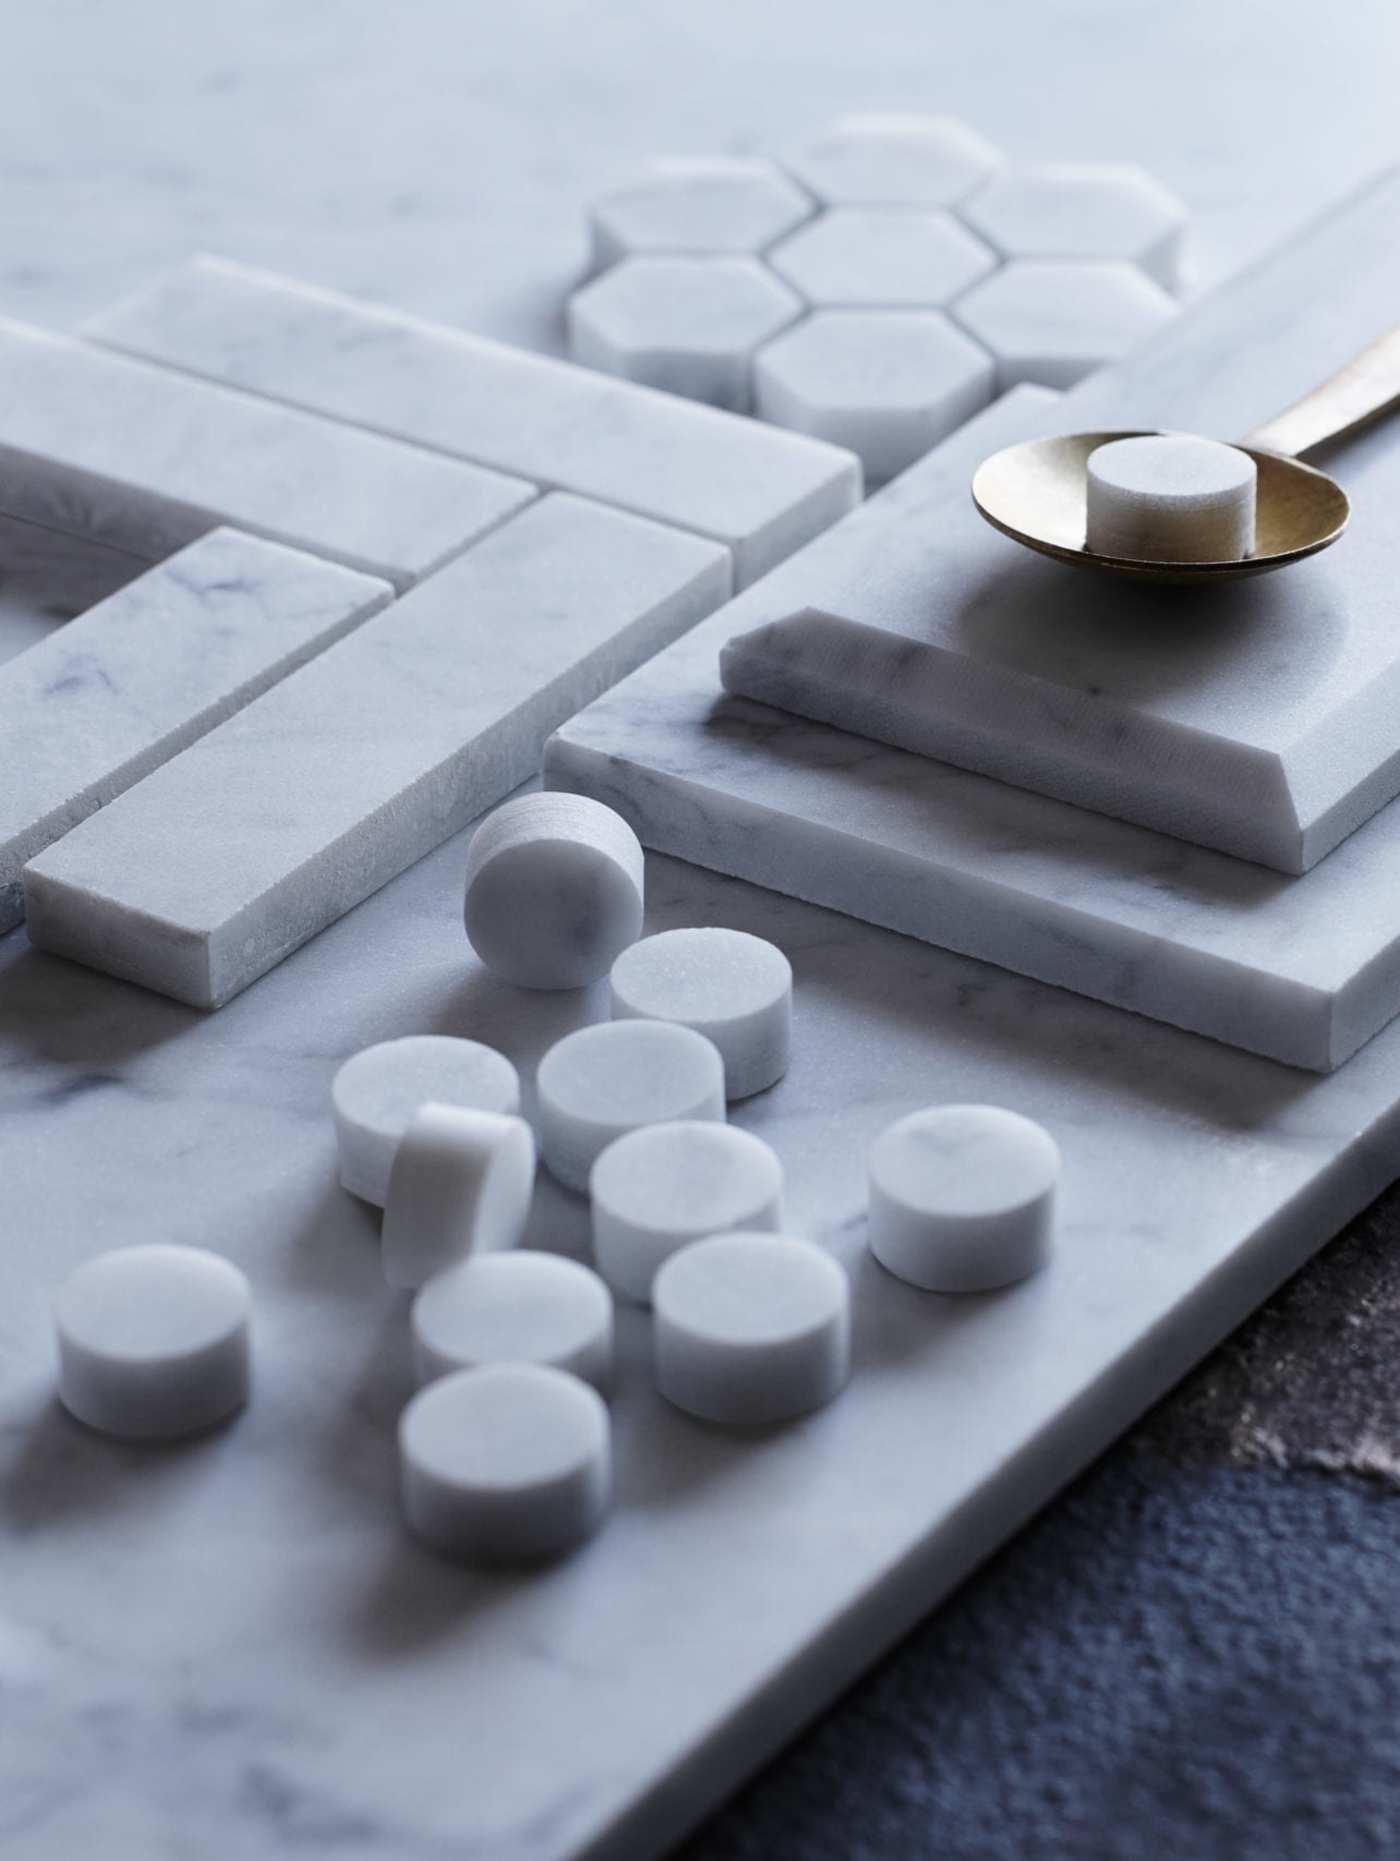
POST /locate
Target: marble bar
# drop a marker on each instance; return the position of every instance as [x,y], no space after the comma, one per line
[148,460]
[759,491]
[89,711]
[1258,718]
[215,867]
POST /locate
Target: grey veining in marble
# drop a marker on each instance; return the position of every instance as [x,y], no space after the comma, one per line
[760,492]
[148,459]
[1258,718]
[47,578]
[215,867]
[102,701]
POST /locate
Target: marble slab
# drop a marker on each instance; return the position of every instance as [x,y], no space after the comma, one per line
[760,492]
[149,460]
[90,710]
[1257,718]
[209,872]
[288,1673]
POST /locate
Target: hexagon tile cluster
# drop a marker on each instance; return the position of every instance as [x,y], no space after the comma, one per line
[877,287]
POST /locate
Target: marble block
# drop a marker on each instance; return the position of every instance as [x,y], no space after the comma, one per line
[890,384]
[149,460]
[1258,718]
[211,870]
[698,205]
[881,258]
[1079,210]
[892,159]
[688,325]
[759,492]
[1054,322]
[102,701]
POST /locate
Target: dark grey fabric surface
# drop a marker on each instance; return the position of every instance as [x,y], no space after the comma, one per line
[1193,1653]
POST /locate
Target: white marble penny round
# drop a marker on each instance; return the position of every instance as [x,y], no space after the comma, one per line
[751,1328]
[962,1197]
[508,1462]
[600,1082]
[515,1308]
[554,890]
[378,1090]
[153,1341]
[658,1189]
[1171,497]
[461,1183]
[733,988]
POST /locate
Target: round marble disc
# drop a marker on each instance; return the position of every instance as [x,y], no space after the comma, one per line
[554,890]
[962,1197]
[378,1090]
[658,1188]
[153,1341]
[733,988]
[602,1081]
[751,1328]
[512,1461]
[515,1308]
[461,1183]
[1171,497]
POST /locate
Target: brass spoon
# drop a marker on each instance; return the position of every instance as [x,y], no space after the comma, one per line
[1035,493]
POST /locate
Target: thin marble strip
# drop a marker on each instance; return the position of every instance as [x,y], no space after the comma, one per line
[218,865]
[107,698]
[761,491]
[148,460]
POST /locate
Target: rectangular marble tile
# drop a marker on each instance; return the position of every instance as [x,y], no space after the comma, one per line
[107,698]
[1258,718]
[148,460]
[1303,969]
[48,577]
[761,491]
[214,868]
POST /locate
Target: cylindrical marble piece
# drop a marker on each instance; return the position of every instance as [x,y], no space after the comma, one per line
[1171,497]
[733,988]
[461,1183]
[153,1341]
[515,1308]
[751,1328]
[601,1082]
[554,890]
[659,1188]
[378,1090]
[962,1197]
[512,1461]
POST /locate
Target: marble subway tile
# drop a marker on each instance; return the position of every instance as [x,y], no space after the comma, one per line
[101,702]
[216,866]
[1082,210]
[149,460]
[762,493]
[697,205]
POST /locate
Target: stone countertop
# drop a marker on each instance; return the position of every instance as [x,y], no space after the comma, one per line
[1190,1652]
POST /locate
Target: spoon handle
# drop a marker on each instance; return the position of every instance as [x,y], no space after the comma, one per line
[1367,387]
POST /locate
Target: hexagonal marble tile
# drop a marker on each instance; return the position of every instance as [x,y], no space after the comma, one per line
[886,383]
[890,258]
[1068,210]
[689,325]
[1054,323]
[699,207]
[894,160]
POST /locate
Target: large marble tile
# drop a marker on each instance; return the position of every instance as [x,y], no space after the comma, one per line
[89,711]
[210,871]
[759,492]
[149,460]
[1257,718]
[232,1647]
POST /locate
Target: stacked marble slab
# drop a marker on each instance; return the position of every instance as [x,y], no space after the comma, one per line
[239,744]
[1126,792]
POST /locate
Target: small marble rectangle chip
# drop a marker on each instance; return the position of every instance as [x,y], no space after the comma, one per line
[149,459]
[104,700]
[219,864]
